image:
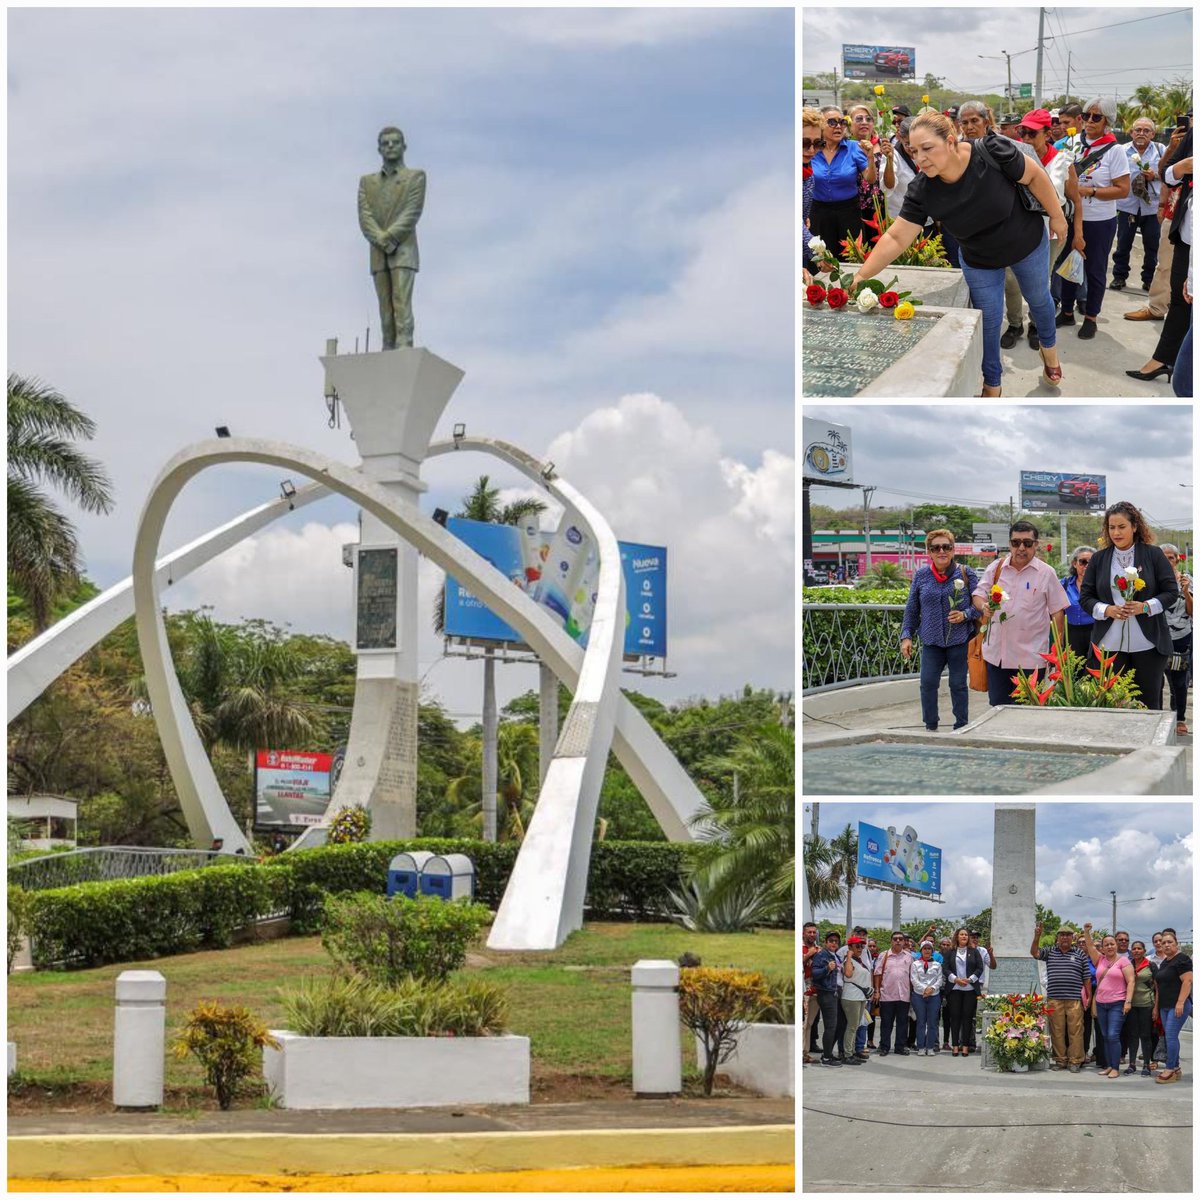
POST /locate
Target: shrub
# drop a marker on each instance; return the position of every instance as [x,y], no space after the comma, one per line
[351,825]
[353,1006]
[781,1006]
[635,879]
[386,941]
[228,1042]
[716,1004]
[18,920]
[736,912]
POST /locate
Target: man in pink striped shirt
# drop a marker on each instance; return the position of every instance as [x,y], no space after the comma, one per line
[1019,631]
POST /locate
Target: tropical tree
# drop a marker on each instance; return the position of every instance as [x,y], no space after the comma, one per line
[517,753]
[883,574]
[845,867]
[748,835]
[820,874]
[43,552]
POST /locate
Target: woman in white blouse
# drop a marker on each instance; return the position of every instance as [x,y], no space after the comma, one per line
[1103,171]
[963,968]
[927,998]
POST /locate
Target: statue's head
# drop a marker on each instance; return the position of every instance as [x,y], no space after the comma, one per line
[391,143]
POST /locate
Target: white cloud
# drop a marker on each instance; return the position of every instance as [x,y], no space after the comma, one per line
[614,28]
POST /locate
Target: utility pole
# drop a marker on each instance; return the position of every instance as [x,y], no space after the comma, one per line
[1037,87]
[1068,100]
[867,494]
[1008,61]
[835,87]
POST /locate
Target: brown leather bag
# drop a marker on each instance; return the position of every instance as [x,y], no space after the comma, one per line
[976,666]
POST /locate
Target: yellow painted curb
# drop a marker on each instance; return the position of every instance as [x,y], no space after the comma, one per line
[735,1178]
[100,1156]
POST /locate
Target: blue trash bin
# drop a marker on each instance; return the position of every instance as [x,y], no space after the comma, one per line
[404,873]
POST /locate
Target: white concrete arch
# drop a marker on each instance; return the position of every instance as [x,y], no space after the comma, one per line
[544,900]
[36,665]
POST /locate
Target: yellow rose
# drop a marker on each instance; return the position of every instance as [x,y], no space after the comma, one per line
[924,99]
[1138,584]
[1071,130]
[904,311]
[879,89]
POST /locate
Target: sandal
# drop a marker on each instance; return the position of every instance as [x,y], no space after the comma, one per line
[984,394]
[1052,375]
[1167,1077]
[1181,728]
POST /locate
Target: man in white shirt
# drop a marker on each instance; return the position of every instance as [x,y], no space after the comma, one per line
[1138,212]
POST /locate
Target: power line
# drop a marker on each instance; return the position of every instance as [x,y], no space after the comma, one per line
[1133,21]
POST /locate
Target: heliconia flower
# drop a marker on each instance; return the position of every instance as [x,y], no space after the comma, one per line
[1043,696]
[1093,671]
[1105,659]
[1055,675]
[1052,657]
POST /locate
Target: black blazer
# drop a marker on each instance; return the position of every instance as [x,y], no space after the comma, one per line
[974,965]
[1160,582]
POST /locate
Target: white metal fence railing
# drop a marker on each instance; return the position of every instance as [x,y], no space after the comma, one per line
[845,644]
[94,864]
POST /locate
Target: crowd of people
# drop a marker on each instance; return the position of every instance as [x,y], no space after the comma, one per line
[1146,633]
[1012,199]
[1114,992]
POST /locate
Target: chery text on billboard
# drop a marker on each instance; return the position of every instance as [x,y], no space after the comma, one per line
[891,857]
[558,569]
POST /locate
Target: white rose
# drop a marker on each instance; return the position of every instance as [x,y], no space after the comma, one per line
[866,300]
[816,245]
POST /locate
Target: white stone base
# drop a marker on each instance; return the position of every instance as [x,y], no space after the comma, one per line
[12,1058]
[394,1072]
[764,1060]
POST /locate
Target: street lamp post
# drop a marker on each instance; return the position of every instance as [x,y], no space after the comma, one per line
[1113,894]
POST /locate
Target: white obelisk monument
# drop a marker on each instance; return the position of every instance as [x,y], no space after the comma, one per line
[1014,907]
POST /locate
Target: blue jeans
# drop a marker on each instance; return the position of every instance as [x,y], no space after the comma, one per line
[1098,238]
[927,1009]
[987,295]
[1111,1017]
[934,659]
[1171,1027]
[1181,376]
[1127,226]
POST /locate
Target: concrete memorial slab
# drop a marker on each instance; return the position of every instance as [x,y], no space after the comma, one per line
[936,353]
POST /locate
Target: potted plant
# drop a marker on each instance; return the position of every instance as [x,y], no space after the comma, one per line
[1018,1037]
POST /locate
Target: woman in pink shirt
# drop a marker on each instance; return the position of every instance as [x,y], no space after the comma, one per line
[1114,995]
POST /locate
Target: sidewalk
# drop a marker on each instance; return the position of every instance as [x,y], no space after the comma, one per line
[1044,1131]
[1096,367]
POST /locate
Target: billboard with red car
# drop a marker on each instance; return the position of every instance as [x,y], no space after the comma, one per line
[879,63]
[1062,491]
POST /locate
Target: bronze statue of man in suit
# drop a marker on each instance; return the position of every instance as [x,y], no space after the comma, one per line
[389,205]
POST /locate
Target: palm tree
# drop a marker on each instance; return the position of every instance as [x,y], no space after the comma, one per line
[43,553]
[820,877]
[748,839]
[845,867]
[884,574]
[1145,98]
[516,776]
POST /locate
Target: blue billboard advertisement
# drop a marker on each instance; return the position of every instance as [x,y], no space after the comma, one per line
[887,856]
[558,570]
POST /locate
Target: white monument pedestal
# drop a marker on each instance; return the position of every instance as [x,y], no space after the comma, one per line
[393,400]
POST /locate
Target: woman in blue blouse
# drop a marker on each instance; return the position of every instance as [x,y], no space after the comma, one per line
[835,214]
[1079,620]
[939,608]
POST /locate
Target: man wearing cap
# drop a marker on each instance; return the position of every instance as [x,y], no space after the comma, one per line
[1008,125]
[1034,131]
[1138,212]
[1057,129]
[898,115]
[868,961]
[1159,300]
[856,994]
[1067,977]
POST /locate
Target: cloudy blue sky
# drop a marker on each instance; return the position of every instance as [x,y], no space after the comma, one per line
[607,251]
[1138,849]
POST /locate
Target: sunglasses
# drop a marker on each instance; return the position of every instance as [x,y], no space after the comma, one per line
[1028,134]
[1026,542]
[836,122]
[1093,116]
[1083,562]
[941,548]
[814,143]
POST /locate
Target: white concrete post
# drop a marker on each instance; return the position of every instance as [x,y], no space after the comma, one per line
[139,1042]
[490,748]
[657,1044]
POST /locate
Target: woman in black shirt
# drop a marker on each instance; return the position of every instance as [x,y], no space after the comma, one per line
[1172,1001]
[971,189]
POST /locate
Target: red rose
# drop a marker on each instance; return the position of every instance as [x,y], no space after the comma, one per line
[815,293]
[1122,582]
[837,298]
[888,300]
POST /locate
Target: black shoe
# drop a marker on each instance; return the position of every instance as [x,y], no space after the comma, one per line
[1008,339]
[1081,308]
[960,726]
[1117,285]
[1064,318]
[931,728]
[903,1051]
[1087,329]
[1150,374]
[884,1053]
[855,1062]
[830,1062]
[1034,342]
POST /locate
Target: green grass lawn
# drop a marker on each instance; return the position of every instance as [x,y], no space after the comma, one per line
[572,1003]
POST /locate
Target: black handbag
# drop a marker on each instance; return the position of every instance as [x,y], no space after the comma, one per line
[1029,202]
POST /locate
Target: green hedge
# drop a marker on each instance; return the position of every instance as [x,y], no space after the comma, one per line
[825,595]
[152,916]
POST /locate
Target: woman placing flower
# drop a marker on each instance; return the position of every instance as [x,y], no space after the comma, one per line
[1129,577]
[939,608]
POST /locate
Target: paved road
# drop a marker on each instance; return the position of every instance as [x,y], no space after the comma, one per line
[1045,1131]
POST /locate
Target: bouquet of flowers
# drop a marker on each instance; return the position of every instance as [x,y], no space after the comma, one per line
[1019,1035]
[1128,584]
[997,597]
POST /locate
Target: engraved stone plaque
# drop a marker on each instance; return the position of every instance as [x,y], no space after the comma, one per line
[843,351]
[376,626]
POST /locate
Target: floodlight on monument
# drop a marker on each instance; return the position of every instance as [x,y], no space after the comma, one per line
[441,516]
[223,431]
[460,432]
[287,489]
[548,472]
